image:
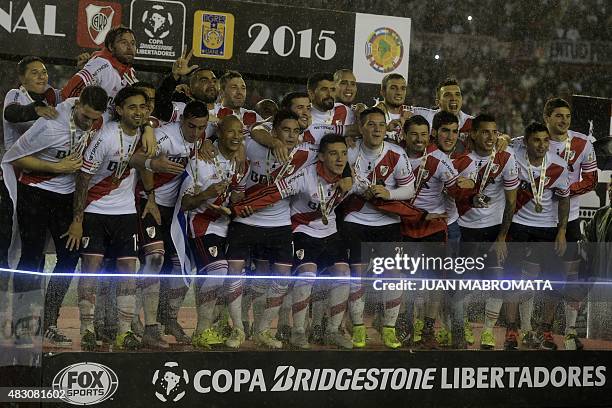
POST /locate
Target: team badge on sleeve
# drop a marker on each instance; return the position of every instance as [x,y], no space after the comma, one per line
[213,251]
[85,242]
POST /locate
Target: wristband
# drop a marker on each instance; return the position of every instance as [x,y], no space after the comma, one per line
[147,165]
[149,191]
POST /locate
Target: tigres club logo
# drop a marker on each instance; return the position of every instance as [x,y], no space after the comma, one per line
[213,34]
[170,382]
[384,50]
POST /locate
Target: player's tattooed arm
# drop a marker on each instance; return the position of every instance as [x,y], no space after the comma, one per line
[75,231]
[80,195]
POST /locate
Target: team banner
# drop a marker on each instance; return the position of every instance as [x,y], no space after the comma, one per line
[295,379]
[260,39]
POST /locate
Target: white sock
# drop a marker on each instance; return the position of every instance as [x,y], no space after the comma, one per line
[125,309]
[234,289]
[259,295]
[86,315]
[301,296]
[275,295]
[492,308]
[319,302]
[571,314]
[286,310]
[391,301]
[338,298]
[356,302]
[150,301]
[525,311]
[208,293]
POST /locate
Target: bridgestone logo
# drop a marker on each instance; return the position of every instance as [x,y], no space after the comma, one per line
[369,379]
[289,378]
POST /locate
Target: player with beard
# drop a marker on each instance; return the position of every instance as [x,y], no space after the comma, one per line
[386,170]
[485,214]
[201,218]
[315,194]
[48,155]
[104,212]
[576,149]
[203,87]
[393,90]
[299,103]
[539,218]
[111,69]
[435,176]
[233,97]
[322,90]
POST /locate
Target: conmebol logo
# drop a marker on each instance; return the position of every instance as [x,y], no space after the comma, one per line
[86,383]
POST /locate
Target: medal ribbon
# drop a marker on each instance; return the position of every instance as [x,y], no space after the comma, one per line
[538,191]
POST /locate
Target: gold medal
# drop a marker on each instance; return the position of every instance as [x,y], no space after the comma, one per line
[538,208]
[324,219]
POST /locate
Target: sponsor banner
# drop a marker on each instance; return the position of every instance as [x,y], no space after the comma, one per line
[380,47]
[271,40]
[33,22]
[256,39]
[570,51]
[159,28]
[94,21]
[228,379]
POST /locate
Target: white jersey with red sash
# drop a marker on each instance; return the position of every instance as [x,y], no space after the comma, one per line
[201,175]
[314,197]
[104,70]
[264,170]
[111,189]
[197,177]
[389,166]
[579,154]
[340,114]
[315,132]
[432,179]
[51,140]
[172,144]
[47,139]
[556,183]
[20,96]
[492,179]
